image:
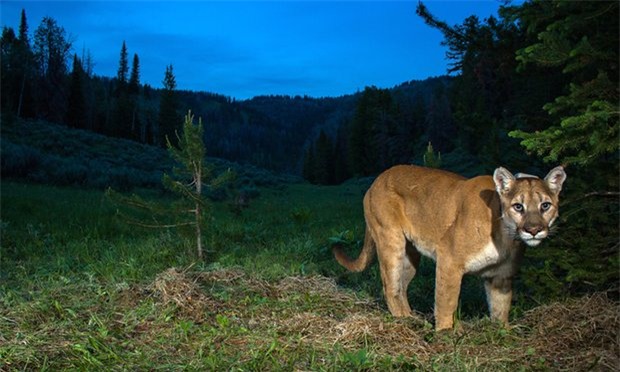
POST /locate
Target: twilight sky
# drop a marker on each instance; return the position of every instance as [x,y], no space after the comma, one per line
[246,48]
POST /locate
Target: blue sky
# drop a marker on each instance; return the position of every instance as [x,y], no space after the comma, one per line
[247,48]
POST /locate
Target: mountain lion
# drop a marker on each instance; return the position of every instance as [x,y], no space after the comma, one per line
[466,225]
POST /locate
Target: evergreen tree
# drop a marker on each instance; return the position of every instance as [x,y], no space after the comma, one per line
[341,172]
[134,79]
[51,52]
[580,39]
[484,55]
[123,67]
[168,109]
[567,63]
[9,79]
[134,91]
[309,165]
[190,179]
[371,134]
[324,160]
[26,66]
[87,62]
[76,110]
[431,159]
[438,121]
[123,115]
[193,175]
[23,29]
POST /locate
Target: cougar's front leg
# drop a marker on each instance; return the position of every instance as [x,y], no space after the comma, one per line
[499,297]
[447,289]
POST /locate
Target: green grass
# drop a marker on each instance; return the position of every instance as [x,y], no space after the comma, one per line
[82,290]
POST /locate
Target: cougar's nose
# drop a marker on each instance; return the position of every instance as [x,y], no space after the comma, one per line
[533,230]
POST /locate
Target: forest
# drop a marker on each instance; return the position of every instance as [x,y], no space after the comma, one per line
[527,79]
[535,87]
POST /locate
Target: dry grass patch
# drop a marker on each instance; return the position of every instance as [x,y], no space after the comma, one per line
[228,319]
[314,312]
[181,288]
[579,334]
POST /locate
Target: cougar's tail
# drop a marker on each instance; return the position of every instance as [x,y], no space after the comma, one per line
[364,259]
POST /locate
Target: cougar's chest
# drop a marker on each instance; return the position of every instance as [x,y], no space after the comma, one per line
[494,260]
[488,256]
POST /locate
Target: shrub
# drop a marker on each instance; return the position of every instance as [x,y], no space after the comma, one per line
[19,160]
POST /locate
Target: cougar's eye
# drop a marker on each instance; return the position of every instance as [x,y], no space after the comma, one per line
[545,206]
[518,207]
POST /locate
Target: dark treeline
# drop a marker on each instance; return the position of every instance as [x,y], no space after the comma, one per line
[355,135]
[520,77]
[42,79]
[380,128]
[38,84]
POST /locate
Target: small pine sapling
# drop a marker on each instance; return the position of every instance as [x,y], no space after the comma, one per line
[189,180]
[430,159]
[193,174]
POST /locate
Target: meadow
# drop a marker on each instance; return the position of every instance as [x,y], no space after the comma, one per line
[80,289]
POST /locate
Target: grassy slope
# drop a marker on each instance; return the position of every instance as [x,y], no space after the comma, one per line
[81,290]
[42,152]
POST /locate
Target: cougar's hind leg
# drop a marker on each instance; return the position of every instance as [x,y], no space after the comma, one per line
[396,272]
[410,265]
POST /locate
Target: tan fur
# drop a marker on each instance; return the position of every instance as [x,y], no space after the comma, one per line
[465,225]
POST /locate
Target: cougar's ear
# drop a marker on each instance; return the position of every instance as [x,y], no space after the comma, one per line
[555,179]
[504,180]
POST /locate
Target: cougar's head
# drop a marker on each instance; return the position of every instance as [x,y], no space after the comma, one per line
[529,204]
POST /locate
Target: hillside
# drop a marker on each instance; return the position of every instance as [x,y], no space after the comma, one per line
[42,152]
[275,132]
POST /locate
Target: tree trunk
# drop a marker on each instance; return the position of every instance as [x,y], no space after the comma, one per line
[21,97]
[197,210]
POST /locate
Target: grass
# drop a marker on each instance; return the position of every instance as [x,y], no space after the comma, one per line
[81,290]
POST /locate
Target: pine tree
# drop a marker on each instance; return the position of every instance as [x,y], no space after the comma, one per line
[76,110]
[577,41]
[483,53]
[168,107]
[341,172]
[23,29]
[134,90]
[324,160]
[123,114]
[581,39]
[371,131]
[123,67]
[438,121]
[26,66]
[87,62]
[191,179]
[51,51]
[8,82]
[309,167]
[430,159]
[134,79]
[193,176]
